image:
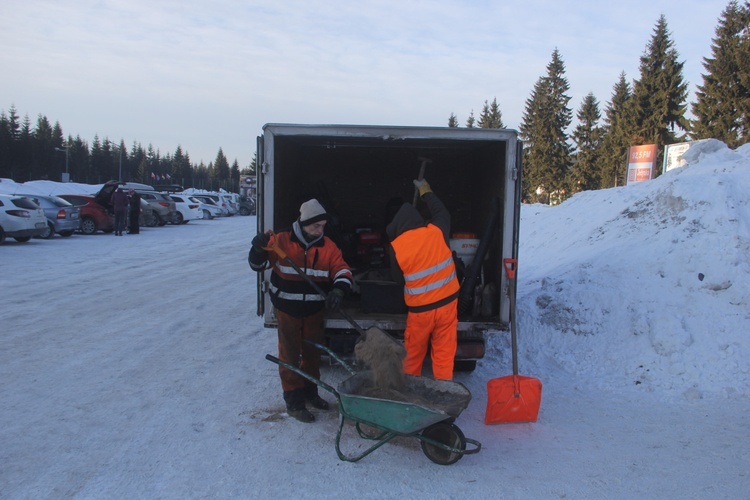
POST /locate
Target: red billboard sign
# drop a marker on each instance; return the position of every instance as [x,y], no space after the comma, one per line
[641,161]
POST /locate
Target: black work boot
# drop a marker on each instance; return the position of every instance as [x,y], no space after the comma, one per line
[295,406]
[311,396]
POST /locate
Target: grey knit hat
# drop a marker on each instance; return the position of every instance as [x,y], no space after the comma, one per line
[310,212]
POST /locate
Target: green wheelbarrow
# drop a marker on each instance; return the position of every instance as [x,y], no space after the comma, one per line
[427,415]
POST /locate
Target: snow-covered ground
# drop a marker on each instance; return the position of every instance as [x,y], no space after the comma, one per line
[134,367]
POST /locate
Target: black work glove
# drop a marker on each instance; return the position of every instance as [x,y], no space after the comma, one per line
[261,240]
[335,298]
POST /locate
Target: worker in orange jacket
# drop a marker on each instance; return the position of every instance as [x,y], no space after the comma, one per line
[420,251]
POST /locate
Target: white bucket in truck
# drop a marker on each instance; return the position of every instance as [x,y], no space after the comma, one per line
[465,247]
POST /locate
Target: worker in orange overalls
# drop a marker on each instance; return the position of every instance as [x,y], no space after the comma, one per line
[421,252]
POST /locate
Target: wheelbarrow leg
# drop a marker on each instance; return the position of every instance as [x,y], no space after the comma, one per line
[387,436]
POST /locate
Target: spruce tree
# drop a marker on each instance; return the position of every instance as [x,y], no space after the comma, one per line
[452,121]
[234,174]
[616,140]
[10,143]
[723,101]
[546,148]
[221,170]
[470,121]
[79,158]
[491,116]
[6,143]
[585,174]
[180,167]
[659,96]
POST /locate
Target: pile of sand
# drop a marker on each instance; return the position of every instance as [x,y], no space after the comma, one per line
[385,357]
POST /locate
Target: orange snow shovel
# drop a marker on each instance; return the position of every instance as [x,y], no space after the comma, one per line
[513,398]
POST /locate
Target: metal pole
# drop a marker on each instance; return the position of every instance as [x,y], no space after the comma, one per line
[66,177]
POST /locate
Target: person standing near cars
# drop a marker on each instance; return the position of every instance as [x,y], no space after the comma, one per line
[120,206]
[423,261]
[299,307]
[135,212]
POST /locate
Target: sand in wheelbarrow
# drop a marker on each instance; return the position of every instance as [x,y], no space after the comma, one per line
[385,357]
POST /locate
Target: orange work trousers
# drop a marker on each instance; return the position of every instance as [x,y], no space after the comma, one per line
[436,329]
[293,350]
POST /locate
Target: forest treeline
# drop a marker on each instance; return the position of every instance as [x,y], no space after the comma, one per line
[650,110]
[42,152]
[558,162]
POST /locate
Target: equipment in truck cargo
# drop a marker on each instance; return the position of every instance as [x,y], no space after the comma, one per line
[363,173]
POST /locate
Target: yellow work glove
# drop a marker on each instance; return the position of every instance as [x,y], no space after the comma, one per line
[422,186]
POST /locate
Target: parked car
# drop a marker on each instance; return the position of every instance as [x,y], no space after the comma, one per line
[215,201]
[63,217]
[187,209]
[20,218]
[210,210]
[233,200]
[94,216]
[149,217]
[163,207]
[247,206]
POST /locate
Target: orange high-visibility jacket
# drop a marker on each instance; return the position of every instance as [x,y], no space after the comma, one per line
[427,264]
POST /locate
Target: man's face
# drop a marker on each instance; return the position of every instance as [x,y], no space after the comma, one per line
[315,229]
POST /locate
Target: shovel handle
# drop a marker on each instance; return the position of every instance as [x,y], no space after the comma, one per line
[425,161]
[510,267]
[273,245]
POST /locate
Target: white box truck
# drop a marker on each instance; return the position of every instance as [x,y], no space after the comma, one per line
[360,173]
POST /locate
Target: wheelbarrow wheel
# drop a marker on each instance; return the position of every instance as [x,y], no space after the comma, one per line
[447,434]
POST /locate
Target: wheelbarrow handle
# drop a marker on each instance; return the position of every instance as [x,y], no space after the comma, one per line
[312,379]
[333,355]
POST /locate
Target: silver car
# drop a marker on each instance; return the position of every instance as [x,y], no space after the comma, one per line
[163,205]
[63,217]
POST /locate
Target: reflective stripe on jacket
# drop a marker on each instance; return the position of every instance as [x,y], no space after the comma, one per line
[321,261]
[427,264]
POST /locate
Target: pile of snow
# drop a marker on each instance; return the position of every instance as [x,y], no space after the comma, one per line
[134,367]
[647,285]
[47,188]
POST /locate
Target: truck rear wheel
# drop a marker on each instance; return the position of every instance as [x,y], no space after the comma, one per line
[464,365]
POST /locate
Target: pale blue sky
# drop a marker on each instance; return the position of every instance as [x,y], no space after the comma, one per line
[205,75]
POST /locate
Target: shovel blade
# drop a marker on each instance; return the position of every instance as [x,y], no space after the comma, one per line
[513,399]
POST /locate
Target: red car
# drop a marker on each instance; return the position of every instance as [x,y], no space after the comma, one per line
[94,217]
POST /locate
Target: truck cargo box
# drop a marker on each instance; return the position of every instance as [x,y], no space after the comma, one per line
[359,174]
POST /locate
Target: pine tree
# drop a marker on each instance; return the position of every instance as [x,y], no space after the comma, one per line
[79,158]
[723,101]
[452,121]
[10,143]
[221,170]
[584,174]
[491,116]
[470,121]
[234,173]
[181,170]
[6,144]
[546,148]
[658,103]
[616,138]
